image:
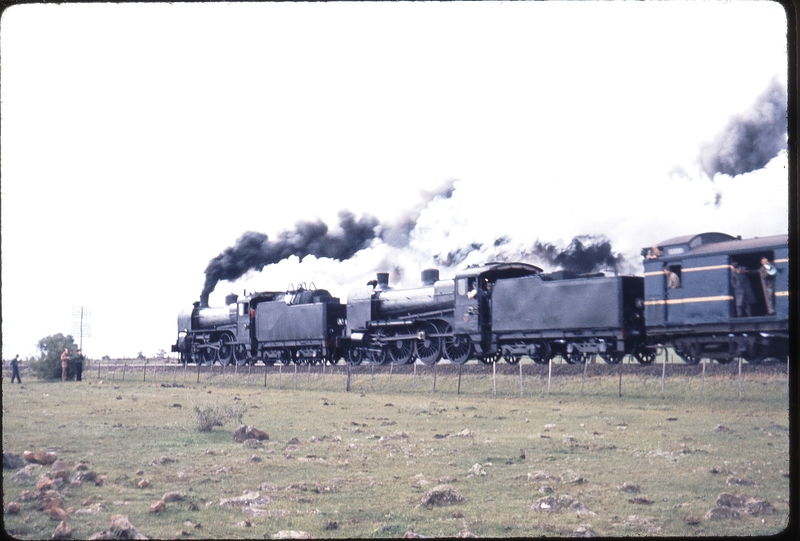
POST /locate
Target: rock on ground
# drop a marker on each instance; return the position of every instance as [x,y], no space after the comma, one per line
[12,461]
[63,530]
[442,495]
[245,432]
[291,534]
[249,499]
[561,504]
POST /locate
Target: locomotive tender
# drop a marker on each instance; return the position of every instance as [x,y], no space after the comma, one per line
[510,310]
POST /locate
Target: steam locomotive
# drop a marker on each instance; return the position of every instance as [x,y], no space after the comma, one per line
[510,310]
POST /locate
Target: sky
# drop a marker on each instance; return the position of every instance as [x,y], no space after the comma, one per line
[139,142]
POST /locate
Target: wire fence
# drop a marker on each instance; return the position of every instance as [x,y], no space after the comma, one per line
[499,379]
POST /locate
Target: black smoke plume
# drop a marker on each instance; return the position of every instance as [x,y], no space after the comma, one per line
[585,254]
[254,251]
[751,139]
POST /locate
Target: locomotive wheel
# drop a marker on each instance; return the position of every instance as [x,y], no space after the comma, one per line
[400,351]
[512,359]
[266,359]
[240,354]
[458,348]
[489,359]
[688,358]
[377,355]
[612,357]
[576,357]
[429,350]
[645,355]
[286,356]
[540,352]
[209,355]
[355,356]
[225,349]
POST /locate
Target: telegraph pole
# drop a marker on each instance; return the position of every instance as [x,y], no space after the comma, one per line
[81,323]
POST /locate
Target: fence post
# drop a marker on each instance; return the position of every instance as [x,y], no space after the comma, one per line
[740,378]
[620,376]
[389,384]
[308,376]
[144,373]
[458,391]
[703,383]
[347,385]
[521,391]
[494,377]
[323,374]
[585,367]
[549,373]
[414,378]
[434,377]
[664,372]
[124,366]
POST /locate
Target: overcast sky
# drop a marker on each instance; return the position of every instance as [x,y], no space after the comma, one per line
[139,141]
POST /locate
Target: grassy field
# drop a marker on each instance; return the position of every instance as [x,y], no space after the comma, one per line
[358,464]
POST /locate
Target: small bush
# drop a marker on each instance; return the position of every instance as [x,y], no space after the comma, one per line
[208,416]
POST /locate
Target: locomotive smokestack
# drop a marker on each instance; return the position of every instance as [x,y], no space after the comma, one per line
[383,281]
[430,276]
[204,300]
[231,299]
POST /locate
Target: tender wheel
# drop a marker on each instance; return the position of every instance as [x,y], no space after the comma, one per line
[265,358]
[540,352]
[725,360]
[645,355]
[225,349]
[458,348]
[512,359]
[688,357]
[576,356]
[429,349]
[612,357]
[286,356]
[400,351]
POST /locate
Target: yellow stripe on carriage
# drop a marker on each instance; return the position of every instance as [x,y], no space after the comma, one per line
[689,300]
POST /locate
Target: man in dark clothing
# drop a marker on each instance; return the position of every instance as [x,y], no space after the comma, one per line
[767,274]
[78,365]
[15,369]
[742,290]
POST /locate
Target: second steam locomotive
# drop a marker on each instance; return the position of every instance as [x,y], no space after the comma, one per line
[511,310]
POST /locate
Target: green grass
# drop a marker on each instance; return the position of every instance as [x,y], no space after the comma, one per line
[365,459]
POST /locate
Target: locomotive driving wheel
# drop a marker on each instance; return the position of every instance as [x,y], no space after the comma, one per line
[240,354]
[225,349]
[457,347]
[429,348]
[400,351]
[209,355]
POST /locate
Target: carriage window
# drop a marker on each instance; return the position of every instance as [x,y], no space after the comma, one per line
[243,308]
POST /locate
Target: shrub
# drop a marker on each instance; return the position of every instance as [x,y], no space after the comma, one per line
[208,416]
[48,365]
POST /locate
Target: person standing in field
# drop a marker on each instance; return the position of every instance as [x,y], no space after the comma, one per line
[64,364]
[15,369]
[79,365]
